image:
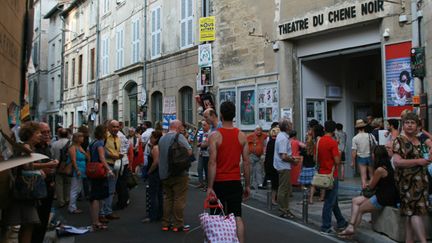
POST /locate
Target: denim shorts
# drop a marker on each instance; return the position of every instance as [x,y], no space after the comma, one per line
[374,201]
[364,161]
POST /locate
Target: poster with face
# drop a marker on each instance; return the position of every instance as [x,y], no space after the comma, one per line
[207,101]
[206,76]
[227,95]
[247,107]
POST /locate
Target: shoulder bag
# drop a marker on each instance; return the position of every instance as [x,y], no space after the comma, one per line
[29,185]
[324,181]
[95,169]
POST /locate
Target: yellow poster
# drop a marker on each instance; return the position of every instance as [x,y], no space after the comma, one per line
[207,29]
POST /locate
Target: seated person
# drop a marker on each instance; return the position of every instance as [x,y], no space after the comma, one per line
[386,193]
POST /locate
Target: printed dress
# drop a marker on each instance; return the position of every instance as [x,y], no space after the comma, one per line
[412,182]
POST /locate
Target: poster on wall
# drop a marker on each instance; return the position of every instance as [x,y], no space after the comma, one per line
[268,105]
[169,105]
[204,55]
[399,82]
[206,76]
[227,95]
[247,107]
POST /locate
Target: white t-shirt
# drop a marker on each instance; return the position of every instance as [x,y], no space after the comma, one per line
[146,135]
[361,143]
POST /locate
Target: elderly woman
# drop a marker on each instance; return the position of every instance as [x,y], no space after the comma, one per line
[24,212]
[411,177]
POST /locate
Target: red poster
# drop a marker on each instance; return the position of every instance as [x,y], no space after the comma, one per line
[399,82]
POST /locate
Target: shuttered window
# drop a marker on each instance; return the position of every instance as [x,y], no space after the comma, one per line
[120,48]
[156,32]
[135,41]
[186,23]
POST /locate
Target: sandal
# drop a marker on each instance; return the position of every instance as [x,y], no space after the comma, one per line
[347,232]
[99,226]
[288,215]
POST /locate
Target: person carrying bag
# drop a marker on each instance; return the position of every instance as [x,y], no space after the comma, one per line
[324,181]
[218,228]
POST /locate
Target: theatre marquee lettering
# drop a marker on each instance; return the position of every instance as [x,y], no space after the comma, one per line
[344,14]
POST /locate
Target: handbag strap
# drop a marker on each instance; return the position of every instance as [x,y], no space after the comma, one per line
[316,150]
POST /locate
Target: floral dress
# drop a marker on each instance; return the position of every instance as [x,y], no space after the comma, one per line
[412,182]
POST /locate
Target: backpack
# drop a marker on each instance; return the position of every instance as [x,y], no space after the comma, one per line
[63,167]
[178,158]
[64,152]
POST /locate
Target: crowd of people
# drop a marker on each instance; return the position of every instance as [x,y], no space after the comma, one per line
[393,172]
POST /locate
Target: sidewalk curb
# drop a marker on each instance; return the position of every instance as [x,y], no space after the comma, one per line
[363,234]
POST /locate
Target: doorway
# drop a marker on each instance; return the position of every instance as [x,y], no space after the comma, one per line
[356,76]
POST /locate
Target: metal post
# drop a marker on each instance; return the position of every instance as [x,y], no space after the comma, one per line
[269,195]
[305,205]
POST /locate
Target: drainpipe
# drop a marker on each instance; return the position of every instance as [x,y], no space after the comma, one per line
[62,65]
[97,88]
[144,69]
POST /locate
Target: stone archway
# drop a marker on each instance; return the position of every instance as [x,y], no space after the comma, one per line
[130,104]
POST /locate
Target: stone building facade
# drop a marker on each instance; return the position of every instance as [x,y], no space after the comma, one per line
[38,81]
[55,64]
[79,62]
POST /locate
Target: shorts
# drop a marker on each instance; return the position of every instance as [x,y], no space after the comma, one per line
[364,161]
[230,193]
[306,176]
[374,201]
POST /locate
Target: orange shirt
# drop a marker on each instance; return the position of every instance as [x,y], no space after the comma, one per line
[256,144]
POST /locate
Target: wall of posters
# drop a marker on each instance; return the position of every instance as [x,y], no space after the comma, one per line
[399,82]
[256,104]
[268,105]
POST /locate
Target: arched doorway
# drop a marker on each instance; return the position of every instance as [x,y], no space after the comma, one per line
[104,112]
[115,110]
[156,106]
[130,114]
[186,94]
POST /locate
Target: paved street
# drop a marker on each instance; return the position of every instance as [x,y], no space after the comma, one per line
[260,226]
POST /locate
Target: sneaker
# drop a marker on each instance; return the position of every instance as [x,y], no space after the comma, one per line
[261,187]
[328,232]
[165,228]
[185,228]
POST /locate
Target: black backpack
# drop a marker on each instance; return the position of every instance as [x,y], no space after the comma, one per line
[178,158]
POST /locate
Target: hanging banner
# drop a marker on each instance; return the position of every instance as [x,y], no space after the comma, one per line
[399,82]
[205,55]
[207,29]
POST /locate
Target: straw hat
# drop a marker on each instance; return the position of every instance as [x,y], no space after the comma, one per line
[360,123]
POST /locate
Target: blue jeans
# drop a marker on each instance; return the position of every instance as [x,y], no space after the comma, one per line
[156,196]
[331,205]
[106,208]
[202,166]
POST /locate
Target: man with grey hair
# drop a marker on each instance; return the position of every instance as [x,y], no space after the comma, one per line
[211,118]
[175,187]
[257,142]
[282,163]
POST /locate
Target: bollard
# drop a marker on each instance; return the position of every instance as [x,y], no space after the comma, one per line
[305,205]
[148,205]
[269,195]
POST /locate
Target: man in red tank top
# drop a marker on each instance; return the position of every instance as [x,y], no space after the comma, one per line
[227,146]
